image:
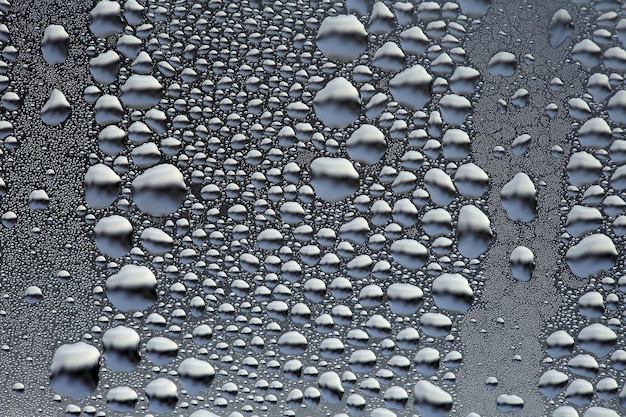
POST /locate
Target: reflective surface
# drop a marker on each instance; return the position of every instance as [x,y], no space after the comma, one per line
[312,208]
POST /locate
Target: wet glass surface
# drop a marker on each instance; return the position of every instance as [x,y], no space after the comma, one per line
[312,208]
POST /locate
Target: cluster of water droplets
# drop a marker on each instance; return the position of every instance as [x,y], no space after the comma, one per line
[284,202]
[583,343]
[10,102]
[288,216]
